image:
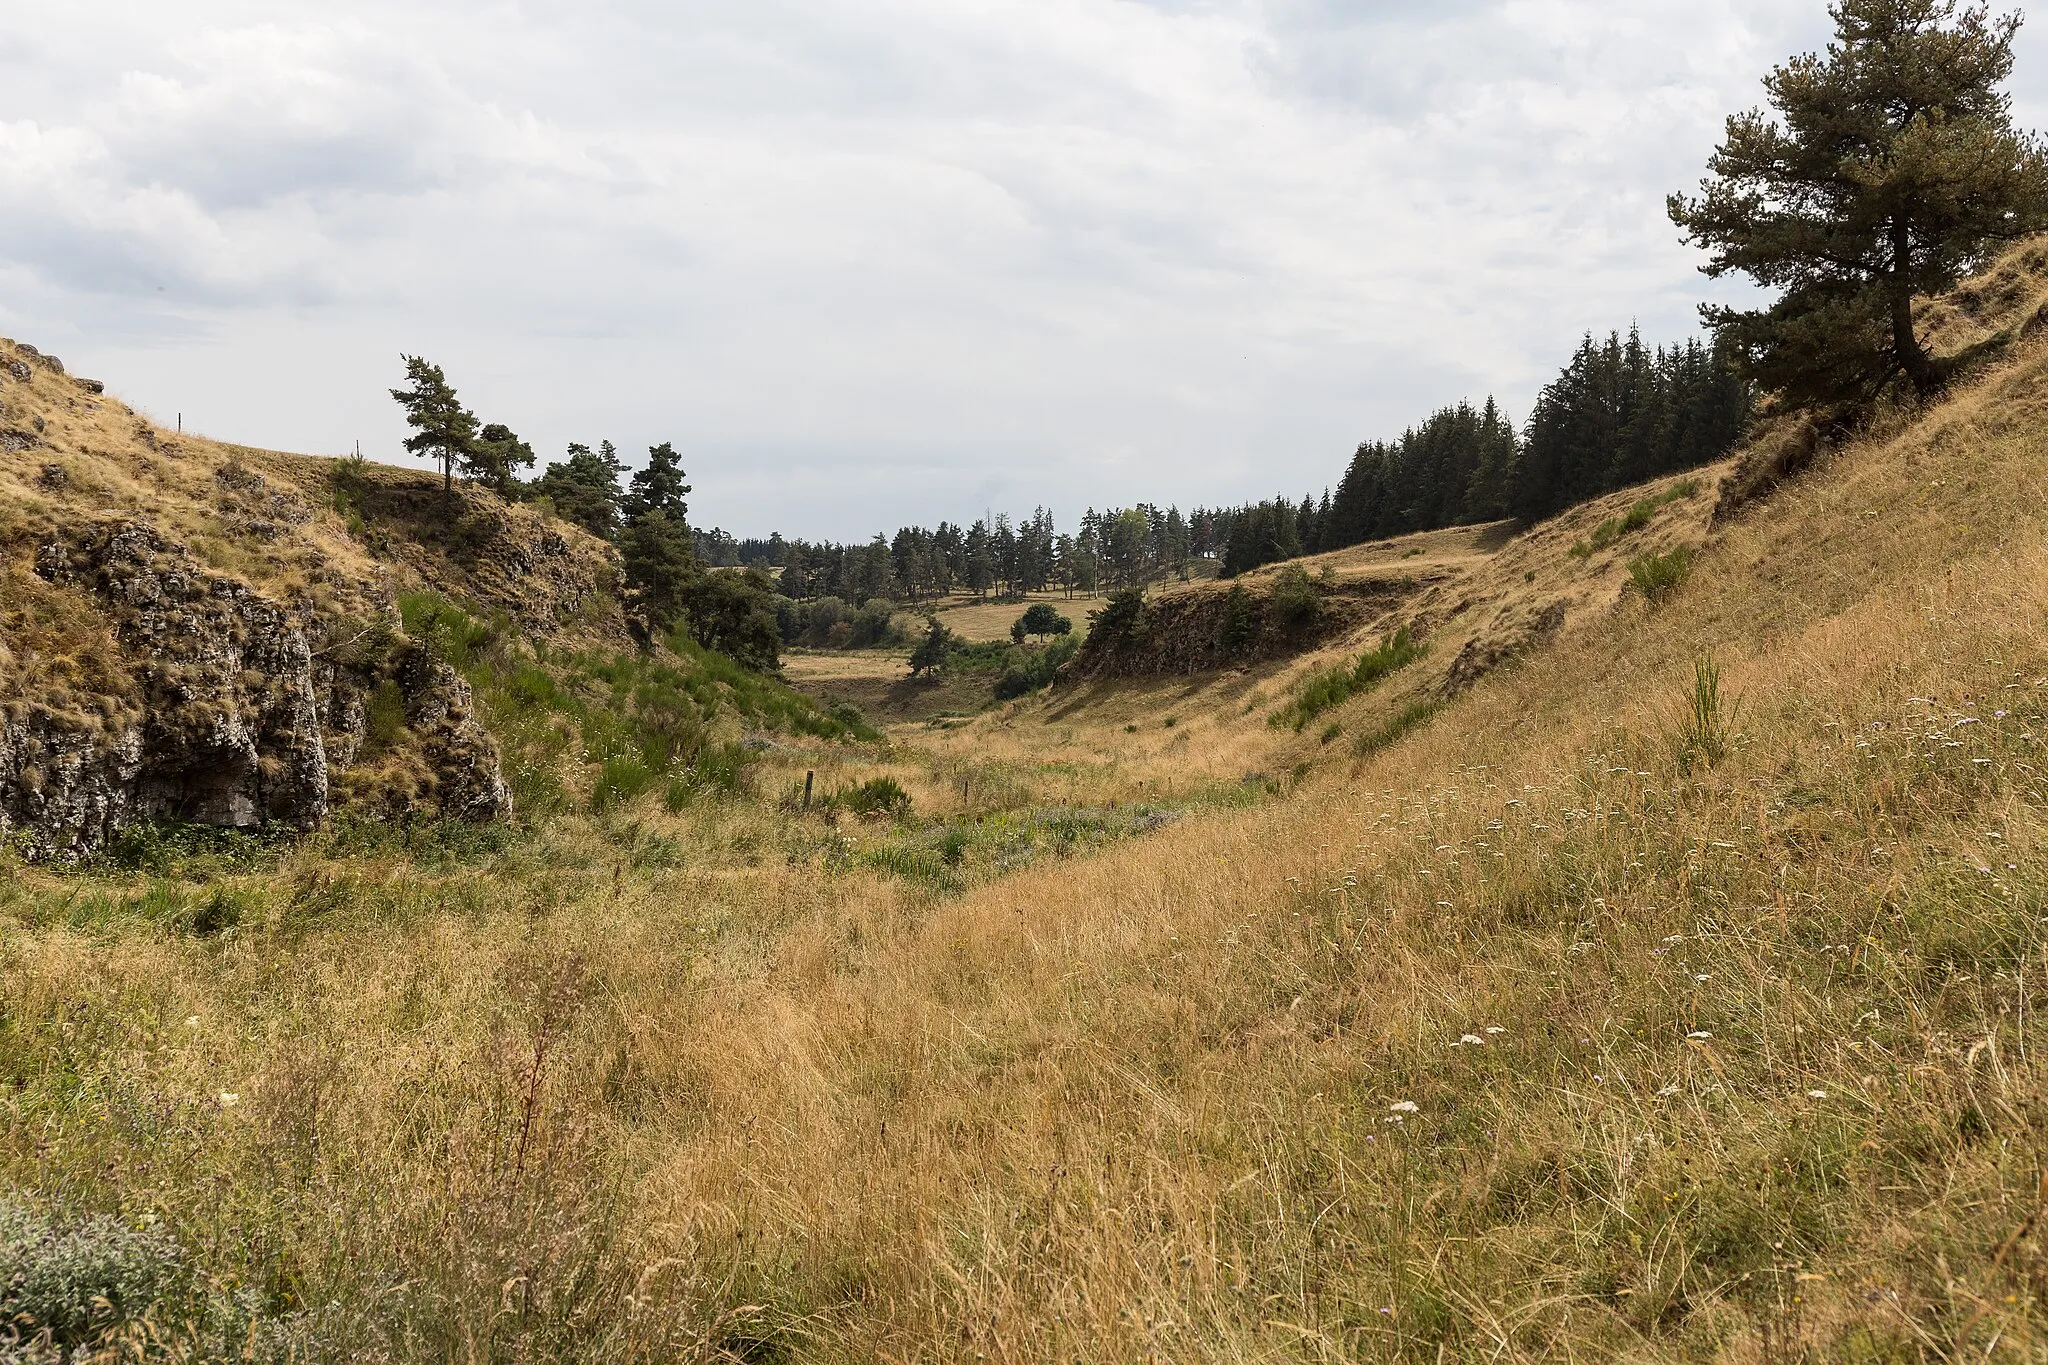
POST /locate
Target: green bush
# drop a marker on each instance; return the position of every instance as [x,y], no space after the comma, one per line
[80,1281]
[1657,576]
[1635,519]
[1295,604]
[879,797]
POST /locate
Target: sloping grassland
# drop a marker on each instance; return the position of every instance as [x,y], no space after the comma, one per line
[1671,994]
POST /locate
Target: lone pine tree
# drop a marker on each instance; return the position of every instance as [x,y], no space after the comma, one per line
[443,430]
[1892,168]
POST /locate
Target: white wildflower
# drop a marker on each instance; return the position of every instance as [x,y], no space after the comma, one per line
[1471,1040]
[1699,1035]
[229,1099]
[1403,1107]
[1816,1094]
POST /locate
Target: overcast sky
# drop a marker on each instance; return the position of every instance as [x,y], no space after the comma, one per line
[867,261]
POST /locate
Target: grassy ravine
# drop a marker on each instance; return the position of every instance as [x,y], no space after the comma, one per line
[1602,1014]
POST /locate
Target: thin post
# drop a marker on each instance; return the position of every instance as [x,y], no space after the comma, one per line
[807,789]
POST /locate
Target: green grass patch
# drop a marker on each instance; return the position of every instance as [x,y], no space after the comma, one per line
[1338,685]
[1657,576]
[1416,713]
[1635,519]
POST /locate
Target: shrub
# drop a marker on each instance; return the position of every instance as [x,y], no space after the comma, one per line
[1240,622]
[879,797]
[1295,604]
[79,1281]
[1657,576]
[445,630]
[1635,519]
[1121,620]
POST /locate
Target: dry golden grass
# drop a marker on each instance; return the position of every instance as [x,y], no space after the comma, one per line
[980,621]
[1532,1035]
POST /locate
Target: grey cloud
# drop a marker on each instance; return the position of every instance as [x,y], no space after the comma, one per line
[871,261]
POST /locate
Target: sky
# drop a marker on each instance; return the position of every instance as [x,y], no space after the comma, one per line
[868,262]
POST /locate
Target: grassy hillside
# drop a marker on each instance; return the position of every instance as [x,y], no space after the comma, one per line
[1669,994]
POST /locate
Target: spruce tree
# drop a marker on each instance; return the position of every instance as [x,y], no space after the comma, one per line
[585,488]
[1892,168]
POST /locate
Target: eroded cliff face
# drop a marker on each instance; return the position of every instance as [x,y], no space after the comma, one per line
[212,707]
[197,632]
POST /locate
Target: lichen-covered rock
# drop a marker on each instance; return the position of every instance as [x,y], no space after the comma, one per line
[230,713]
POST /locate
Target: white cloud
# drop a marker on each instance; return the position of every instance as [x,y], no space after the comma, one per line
[872,261]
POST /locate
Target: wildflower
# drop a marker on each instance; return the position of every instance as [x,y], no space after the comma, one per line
[1668,1091]
[191,1021]
[1816,1094]
[229,1099]
[1471,1040]
[1699,1035]
[1704,976]
[1404,1107]
[1496,1029]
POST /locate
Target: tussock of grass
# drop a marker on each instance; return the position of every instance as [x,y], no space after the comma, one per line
[1657,576]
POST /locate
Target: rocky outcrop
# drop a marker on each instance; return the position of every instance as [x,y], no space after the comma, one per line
[1200,630]
[229,718]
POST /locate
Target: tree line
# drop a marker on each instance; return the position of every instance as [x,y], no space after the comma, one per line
[1887,168]
[644,513]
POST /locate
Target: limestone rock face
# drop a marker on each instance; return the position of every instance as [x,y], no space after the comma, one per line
[231,713]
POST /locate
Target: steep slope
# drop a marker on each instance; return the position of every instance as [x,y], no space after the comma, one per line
[202,632]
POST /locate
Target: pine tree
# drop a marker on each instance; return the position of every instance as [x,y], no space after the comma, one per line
[495,459]
[443,430]
[1891,169]
[658,487]
[585,488]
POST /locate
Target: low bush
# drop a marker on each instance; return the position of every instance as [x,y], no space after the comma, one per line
[877,798]
[1635,519]
[1657,576]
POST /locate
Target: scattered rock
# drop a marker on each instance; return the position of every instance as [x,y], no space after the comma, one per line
[53,477]
[20,370]
[92,386]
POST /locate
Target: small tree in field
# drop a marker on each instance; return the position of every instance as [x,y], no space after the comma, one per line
[443,429]
[932,652]
[1891,168]
[1040,619]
